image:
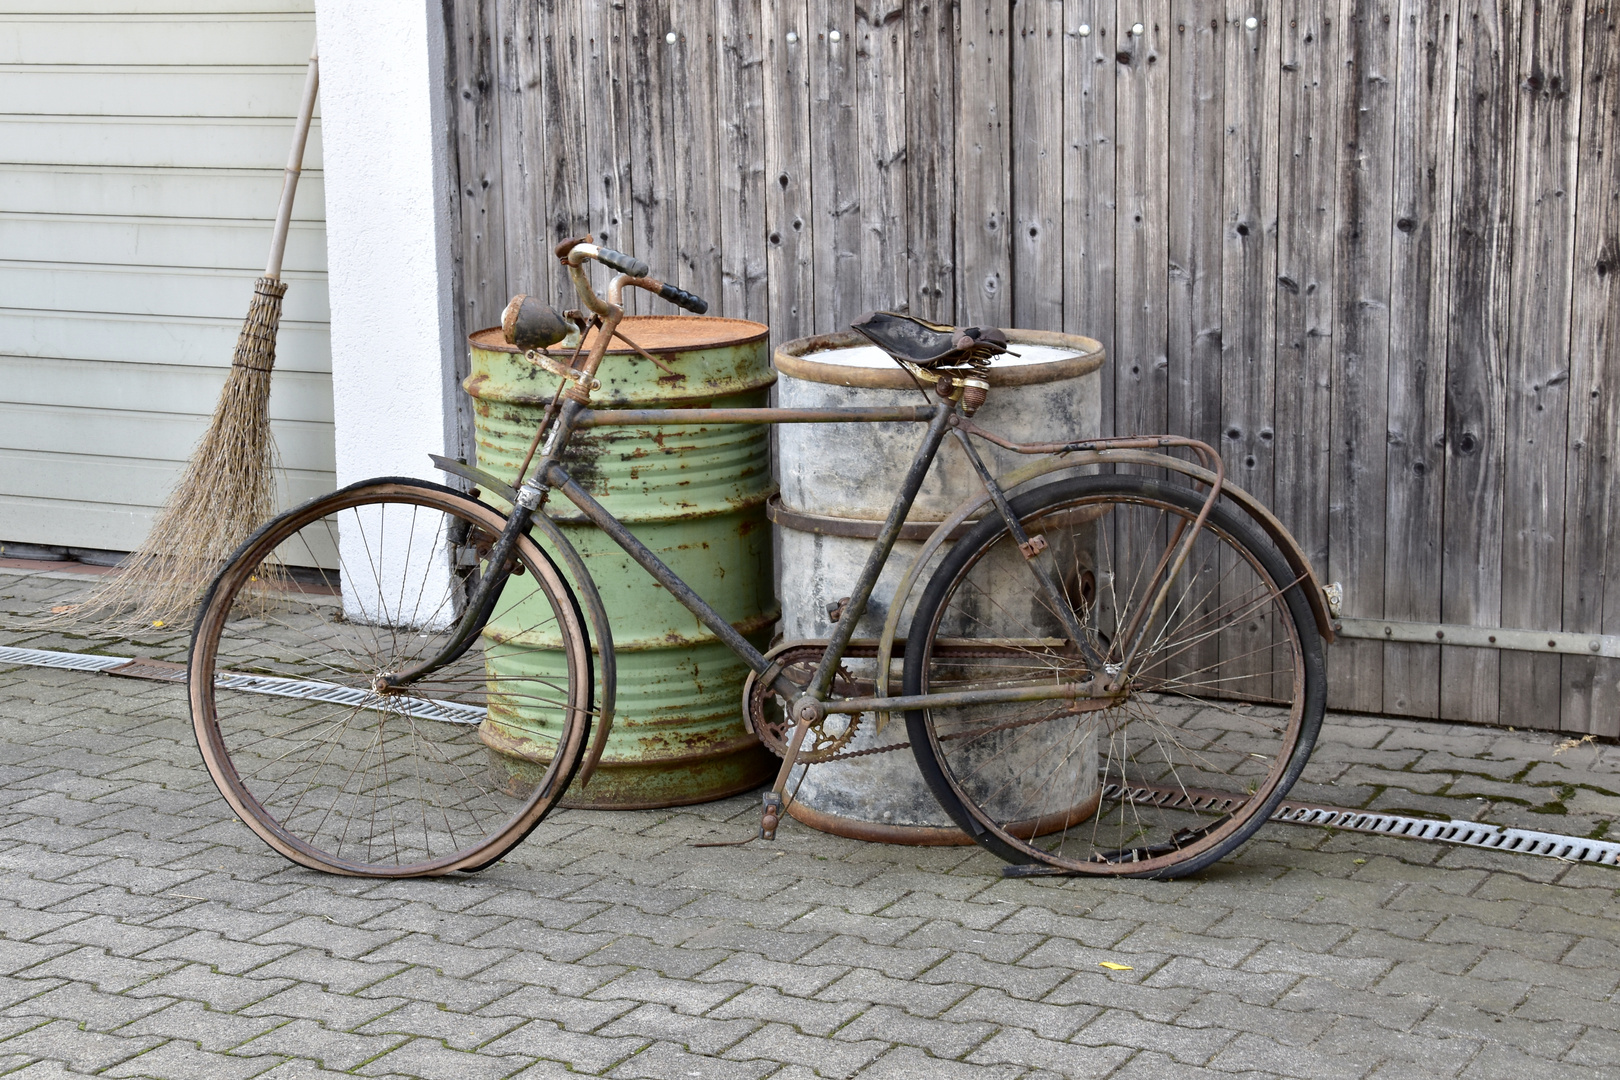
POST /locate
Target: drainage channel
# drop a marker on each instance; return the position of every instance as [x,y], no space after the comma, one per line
[453,712]
[1468,833]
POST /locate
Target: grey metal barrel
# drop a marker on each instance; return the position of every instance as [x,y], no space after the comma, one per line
[837,483]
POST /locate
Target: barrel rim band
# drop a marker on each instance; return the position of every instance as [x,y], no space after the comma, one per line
[791,359]
[854,528]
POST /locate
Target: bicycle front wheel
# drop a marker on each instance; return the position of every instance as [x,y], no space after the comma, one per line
[339,772]
[1219,708]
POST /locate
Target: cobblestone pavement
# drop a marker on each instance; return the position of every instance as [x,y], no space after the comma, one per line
[144,932]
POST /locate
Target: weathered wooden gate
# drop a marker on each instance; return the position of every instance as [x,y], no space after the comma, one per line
[1370,250]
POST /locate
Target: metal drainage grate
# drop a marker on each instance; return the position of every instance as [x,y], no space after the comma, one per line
[452,712]
[72,661]
[1470,833]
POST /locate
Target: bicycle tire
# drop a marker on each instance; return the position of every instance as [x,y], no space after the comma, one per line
[444,775]
[1211,730]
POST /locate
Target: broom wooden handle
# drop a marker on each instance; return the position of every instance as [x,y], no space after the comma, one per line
[295,164]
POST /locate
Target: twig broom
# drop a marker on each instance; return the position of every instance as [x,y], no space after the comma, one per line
[228,488]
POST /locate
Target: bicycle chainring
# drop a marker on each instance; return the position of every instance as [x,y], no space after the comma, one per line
[768,716]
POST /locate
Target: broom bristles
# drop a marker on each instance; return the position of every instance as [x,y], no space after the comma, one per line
[226,492]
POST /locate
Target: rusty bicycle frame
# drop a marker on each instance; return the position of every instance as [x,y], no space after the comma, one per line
[808,706]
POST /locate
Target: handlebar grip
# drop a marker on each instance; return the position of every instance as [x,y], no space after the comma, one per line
[624,264]
[681,298]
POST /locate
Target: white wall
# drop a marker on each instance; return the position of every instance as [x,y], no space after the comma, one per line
[387,235]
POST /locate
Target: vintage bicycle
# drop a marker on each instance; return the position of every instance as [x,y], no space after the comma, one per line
[1113,667]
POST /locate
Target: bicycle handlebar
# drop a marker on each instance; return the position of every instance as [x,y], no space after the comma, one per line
[624,264]
[576,250]
[680,297]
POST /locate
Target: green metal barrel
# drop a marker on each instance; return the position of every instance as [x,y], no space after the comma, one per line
[696,496]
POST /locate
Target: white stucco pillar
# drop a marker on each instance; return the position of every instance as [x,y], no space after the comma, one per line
[388,276]
[387,235]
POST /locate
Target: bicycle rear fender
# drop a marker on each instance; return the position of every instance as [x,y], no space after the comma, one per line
[1268,523]
[585,591]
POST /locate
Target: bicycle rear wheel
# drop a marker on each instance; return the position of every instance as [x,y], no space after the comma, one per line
[1217,717]
[331,768]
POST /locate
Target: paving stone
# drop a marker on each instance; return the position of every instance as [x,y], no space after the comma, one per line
[1494,995]
[942,1038]
[1118,990]
[1500,1062]
[333,1049]
[1180,1042]
[343,1012]
[800,980]
[778,945]
[1289,1026]
[1596,1049]
[873,987]
[181,1060]
[1500,964]
[1046,1020]
[710,1035]
[1254,987]
[219,953]
[828,1057]
[1002,946]
[84,1051]
[1014,979]
[1014,1047]
[580,1051]
[542,1003]
[907,1062]
[330,936]
[809,1016]
[1257,1053]
[896,962]
[442,991]
[196,982]
[88,1007]
[340,976]
[1441,1053]
[456,1030]
[19,956]
[15,991]
[111,974]
[444,957]
[1344,970]
[530,969]
[671,1061]
[429,1057]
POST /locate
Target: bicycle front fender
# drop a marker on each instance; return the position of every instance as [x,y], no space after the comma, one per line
[596,614]
[585,591]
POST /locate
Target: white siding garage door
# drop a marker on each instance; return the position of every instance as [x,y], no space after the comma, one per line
[141,152]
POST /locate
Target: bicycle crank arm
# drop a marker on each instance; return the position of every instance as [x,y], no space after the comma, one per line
[1083,695]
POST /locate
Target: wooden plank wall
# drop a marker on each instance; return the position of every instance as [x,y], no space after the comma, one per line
[1368,248]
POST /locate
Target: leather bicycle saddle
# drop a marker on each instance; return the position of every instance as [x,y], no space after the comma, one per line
[930,345]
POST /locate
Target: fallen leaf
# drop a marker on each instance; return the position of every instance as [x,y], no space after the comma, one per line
[158,623]
[1111,966]
[61,609]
